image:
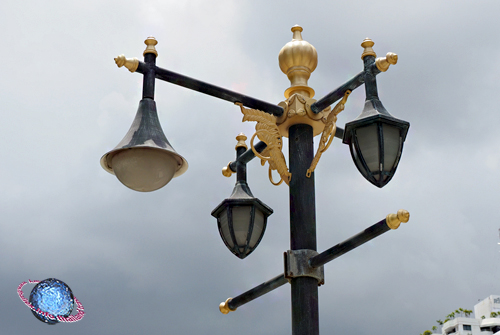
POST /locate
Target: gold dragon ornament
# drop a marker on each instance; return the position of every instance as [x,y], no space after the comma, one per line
[328,133]
[267,131]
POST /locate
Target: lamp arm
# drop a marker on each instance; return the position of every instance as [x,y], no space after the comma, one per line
[339,92]
[209,89]
[231,304]
[392,221]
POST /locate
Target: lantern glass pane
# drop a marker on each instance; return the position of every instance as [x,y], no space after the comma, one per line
[241,223]
[224,227]
[258,227]
[357,160]
[369,147]
[392,143]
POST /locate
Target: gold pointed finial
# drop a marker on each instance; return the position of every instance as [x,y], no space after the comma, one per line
[150,49]
[297,30]
[298,59]
[394,220]
[367,44]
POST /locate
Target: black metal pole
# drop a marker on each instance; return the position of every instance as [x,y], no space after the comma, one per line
[355,241]
[369,77]
[148,84]
[305,314]
[241,167]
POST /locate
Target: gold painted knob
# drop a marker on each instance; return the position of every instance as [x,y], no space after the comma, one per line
[383,63]
[394,220]
[150,49]
[241,138]
[224,308]
[392,58]
[130,63]
[368,44]
[226,171]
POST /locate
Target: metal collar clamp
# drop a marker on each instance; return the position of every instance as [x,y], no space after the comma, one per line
[297,265]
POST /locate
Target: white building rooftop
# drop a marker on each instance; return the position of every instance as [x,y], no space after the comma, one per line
[484,322]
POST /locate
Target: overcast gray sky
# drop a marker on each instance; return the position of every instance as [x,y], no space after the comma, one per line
[153,263]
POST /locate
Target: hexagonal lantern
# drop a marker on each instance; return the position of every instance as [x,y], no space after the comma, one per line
[376,140]
[242,220]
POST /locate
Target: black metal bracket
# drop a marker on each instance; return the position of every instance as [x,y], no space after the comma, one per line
[297,265]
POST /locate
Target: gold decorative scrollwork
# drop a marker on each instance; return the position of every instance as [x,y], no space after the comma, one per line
[267,131]
[328,133]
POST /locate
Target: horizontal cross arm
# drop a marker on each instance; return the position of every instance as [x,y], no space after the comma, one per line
[215,91]
[231,304]
[392,221]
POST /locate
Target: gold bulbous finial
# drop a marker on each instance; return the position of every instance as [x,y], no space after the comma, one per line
[150,49]
[298,59]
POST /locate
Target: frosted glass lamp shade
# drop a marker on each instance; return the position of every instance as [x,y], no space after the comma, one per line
[144,169]
[144,160]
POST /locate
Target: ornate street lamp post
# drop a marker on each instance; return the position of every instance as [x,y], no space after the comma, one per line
[145,161]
